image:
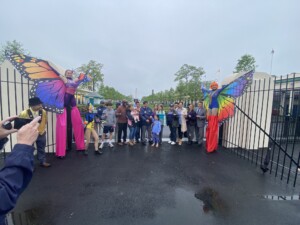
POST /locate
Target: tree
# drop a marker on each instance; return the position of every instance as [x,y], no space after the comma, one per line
[94,69]
[13,47]
[110,93]
[189,81]
[187,72]
[245,63]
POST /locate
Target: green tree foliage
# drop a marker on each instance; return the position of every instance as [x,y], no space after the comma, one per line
[189,78]
[13,47]
[94,69]
[111,93]
[188,72]
[245,63]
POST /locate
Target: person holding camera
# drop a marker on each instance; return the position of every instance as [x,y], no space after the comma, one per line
[36,109]
[18,168]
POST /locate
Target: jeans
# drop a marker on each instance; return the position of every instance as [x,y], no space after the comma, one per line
[132,132]
[155,138]
[40,145]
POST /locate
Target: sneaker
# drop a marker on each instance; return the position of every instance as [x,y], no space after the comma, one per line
[110,145]
[45,165]
[101,145]
[120,143]
[97,152]
[169,142]
[173,143]
[156,145]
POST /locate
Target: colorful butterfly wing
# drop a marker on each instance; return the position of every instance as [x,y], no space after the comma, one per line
[205,97]
[237,87]
[51,93]
[226,108]
[231,91]
[32,68]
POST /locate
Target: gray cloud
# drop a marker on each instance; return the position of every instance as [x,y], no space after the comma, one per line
[143,43]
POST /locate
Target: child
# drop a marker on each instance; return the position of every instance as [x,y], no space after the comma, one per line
[109,124]
[90,130]
[156,130]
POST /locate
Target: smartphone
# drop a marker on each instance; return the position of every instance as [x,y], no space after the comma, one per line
[20,122]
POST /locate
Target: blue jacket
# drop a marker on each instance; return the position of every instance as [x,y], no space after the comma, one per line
[145,114]
[14,177]
[156,126]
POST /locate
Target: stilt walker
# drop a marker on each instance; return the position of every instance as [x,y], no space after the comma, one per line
[61,119]
[219,104]
[55,87]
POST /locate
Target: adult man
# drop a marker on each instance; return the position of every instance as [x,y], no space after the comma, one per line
[35,110]
[18,167]
[146,117]
[122,122]
[201,118]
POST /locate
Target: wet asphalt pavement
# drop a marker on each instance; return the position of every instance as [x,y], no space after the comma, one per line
[143,185]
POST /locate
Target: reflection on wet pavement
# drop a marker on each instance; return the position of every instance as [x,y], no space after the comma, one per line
[28,217]
[282,197]
[211,201]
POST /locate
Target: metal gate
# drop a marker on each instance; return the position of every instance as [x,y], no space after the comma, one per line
[266,128]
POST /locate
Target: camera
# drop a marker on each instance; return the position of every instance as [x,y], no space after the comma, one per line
[7,125]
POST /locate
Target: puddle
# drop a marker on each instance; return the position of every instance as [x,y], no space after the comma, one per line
[28,217]
[282,197]
[212,202]
[185,208]
[31,216]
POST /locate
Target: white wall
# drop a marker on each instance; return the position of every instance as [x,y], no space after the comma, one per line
[14,95]
[239,131]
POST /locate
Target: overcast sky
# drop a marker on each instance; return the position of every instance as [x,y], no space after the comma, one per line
[142,44]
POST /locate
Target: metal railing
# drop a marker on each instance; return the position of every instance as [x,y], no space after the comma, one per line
[14,96]
[269,115]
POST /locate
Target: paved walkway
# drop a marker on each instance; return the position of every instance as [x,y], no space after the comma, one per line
[142,185]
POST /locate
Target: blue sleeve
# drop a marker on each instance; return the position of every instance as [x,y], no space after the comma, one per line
[142,114]
[15,176]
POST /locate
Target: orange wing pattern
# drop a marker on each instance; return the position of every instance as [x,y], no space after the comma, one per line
[32,68]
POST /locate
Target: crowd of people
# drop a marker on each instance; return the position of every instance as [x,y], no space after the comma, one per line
[146,125]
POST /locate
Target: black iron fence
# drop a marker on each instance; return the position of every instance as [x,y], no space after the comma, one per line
[266,126]
[14,96]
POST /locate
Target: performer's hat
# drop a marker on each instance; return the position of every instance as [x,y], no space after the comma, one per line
[34,101]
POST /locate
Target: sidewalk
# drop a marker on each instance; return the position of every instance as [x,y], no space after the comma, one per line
[143,185]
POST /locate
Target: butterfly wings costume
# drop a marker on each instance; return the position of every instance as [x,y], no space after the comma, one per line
[56,93]
[223,100]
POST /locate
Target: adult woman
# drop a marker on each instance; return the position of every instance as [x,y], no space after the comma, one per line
[191,123]
[133,118]
[182,113]
[90,130]
[161,114]
[61,119]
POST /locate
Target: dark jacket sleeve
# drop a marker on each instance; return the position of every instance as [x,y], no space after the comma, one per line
[15,176]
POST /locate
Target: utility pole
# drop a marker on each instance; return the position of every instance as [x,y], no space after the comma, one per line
[272,53]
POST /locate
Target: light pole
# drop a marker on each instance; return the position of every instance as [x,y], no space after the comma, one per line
[272,53]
